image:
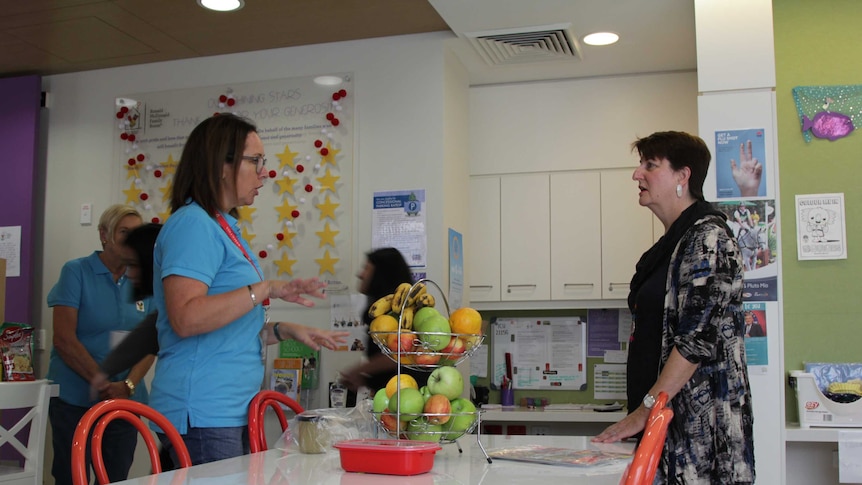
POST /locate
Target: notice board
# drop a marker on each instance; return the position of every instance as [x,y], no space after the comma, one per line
[547,353]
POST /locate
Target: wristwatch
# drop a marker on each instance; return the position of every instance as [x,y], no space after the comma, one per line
[131,386]
[649,401]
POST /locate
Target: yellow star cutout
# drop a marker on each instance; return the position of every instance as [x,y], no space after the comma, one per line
[327,209]
[163,216]
[132,172]
[285,265]
[327,182]
[329,157]
[286,157]
[285,184]
[287,240]
[248,236]
[284,211]
[245,213]
[327,236]
[166,191]
[170,166]
[133,194]
[327,263]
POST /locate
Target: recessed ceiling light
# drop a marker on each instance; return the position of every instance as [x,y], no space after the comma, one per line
[327,80]
[601,38]
[222,5]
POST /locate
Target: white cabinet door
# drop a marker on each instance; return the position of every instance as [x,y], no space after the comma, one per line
[484,239]
[525,242]
[576,236]
[627,231]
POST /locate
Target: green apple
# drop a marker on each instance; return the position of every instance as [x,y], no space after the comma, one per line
[421,430]
[408,402]
[426,393]
[447,381]
[423,313]
[380,401]
[434,332]
[463,416]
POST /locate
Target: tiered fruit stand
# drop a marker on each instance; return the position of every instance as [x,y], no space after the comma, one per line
[432,359]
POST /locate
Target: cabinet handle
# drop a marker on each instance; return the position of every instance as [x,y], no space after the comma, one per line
[585,285]
[481,287]
[509,287]
[621,285]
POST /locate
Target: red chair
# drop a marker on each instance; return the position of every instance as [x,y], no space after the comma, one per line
[257,411]
[97,418]
[642,469]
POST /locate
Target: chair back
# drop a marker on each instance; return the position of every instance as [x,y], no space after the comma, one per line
[257,411]
[648,453]
[97,418]
[30,399]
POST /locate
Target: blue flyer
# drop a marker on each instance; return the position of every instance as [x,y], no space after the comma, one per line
[740,157]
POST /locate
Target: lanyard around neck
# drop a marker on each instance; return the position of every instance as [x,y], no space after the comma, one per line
[230,234]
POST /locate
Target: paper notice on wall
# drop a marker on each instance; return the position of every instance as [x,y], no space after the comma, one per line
[398,221]
[10,249]
[609,381]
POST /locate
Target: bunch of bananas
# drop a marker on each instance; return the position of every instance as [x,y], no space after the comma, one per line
[404,301]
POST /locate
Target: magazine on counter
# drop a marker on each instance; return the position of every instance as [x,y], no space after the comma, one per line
[559,456]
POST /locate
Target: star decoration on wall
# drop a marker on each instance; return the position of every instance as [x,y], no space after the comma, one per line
[245,213]
[327,182]
[327,263]
[285,264]
[163,216]
[170,166]
[330,155]
[133,193]
[286,157]
[287,239]
[284,211]
[248,236]
[327,236]
[285,184]
[166,191]
[132,172]
[327,209]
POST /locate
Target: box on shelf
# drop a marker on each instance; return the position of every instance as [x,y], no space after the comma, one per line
[818,410]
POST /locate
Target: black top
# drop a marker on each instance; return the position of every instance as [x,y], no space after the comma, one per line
[645,343]
[139,343]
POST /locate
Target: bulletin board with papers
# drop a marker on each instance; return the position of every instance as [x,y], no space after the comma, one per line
[546,353]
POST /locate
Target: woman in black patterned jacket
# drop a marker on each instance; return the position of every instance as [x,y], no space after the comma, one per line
[688,330]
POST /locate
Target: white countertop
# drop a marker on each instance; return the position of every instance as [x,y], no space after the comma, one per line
[451,467]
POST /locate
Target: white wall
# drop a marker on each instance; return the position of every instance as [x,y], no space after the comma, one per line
[401,113]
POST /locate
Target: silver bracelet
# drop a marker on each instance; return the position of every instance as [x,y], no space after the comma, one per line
[253,298]
[275,331]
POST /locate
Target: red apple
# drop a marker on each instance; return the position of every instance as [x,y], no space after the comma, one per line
[390,422]
[453,351]
[404,342]
[437,409]
[427,358]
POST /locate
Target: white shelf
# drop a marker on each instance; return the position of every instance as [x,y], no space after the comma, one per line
[525,415]
[794,433]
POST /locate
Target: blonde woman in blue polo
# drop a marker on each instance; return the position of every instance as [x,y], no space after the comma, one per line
[93,308]
[210,294]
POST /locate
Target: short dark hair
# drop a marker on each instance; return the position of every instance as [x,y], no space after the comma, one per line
[142,240]
[681,150]
[215,141]
[390,270]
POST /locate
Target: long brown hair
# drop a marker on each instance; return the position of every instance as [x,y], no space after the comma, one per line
[215,141]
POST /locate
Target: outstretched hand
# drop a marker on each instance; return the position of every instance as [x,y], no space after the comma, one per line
[315,337]
[293,290]
[629,426]
[748,173]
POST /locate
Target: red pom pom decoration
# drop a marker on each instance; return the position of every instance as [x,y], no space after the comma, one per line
[158,174]
[262,254]
[330,116]
[131,162]
[300,168]
[335,96]
[222,98]
[272,174]
[308,188]
[335,122]
[141,157]
[324,151]
[132,137]
[144,196]
[155,220]
[294,214]
[124,110]
[119,115]
[231,101]
[318,143]
[342,93]
[279,236]
[124,136]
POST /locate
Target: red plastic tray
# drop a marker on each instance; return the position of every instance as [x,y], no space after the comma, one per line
[387,457]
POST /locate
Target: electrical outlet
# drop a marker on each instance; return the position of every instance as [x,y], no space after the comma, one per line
[540,430]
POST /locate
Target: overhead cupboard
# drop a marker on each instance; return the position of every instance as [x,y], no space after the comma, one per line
[556,236]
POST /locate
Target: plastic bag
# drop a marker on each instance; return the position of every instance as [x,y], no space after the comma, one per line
[316,430]
[16,348]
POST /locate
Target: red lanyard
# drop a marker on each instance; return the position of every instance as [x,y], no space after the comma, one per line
[230,234]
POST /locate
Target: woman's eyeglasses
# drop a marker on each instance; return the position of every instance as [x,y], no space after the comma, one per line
[258,160]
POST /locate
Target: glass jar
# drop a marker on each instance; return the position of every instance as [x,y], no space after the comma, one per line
[312,436]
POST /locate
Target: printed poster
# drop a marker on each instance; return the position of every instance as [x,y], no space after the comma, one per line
[820,227]
[755,331]
[456,268]
[754,224]
[740,162]
[399,221]
[10,249]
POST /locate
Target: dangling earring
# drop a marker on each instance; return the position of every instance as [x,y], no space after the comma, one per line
[679,190]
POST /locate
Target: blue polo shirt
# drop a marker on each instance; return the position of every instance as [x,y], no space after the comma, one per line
[207,380]
[104,307]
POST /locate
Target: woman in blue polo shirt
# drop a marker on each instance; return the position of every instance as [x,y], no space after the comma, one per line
[93,309]
[211,295]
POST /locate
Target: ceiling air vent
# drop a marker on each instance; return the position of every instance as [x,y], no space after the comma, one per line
[532,44]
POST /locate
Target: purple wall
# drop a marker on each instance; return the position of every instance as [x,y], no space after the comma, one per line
[19,131]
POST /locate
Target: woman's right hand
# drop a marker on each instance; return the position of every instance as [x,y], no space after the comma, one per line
[293,290]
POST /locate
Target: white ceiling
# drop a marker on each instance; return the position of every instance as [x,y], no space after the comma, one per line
[56,36]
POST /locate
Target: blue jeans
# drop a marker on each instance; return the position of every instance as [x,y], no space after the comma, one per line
[211,444]
[118,450]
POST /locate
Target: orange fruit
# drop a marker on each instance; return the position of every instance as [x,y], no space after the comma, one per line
[381,327]
[407,382]
[466,321]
